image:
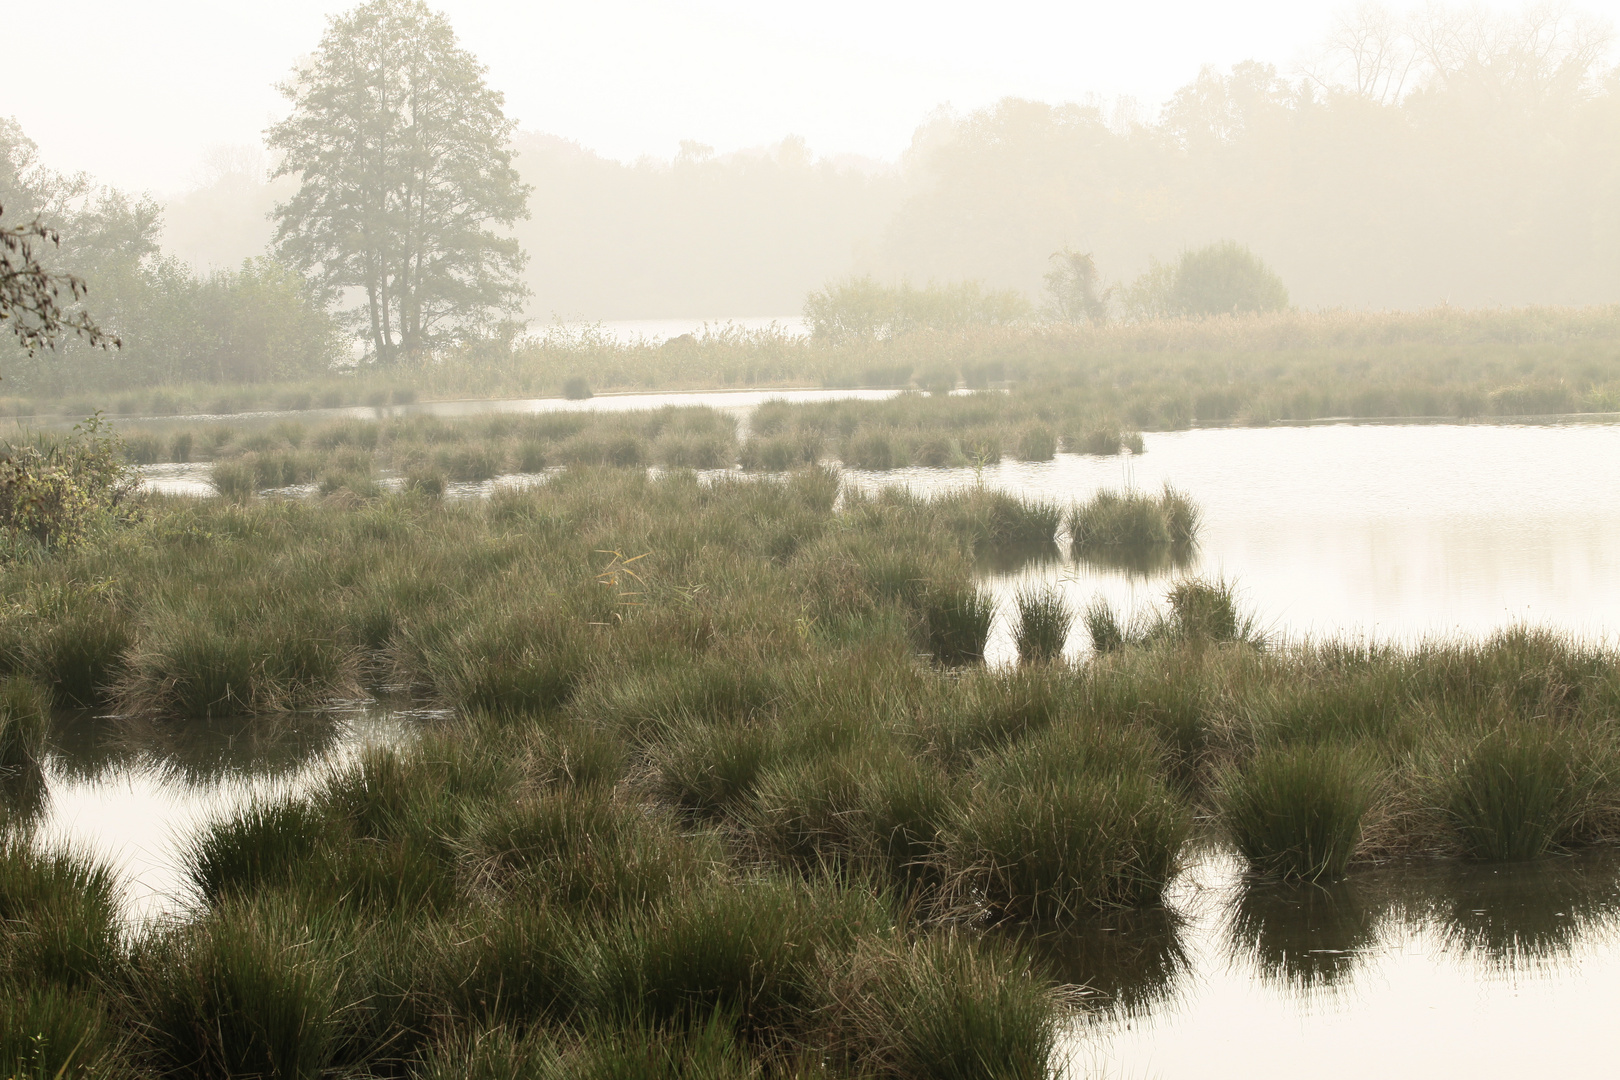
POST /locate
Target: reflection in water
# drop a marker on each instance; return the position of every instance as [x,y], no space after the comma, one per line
[1014,558]
[135,792]
[1125,962]
[22,795]
[1147,563]
[1519,919]
[1418,970]
[1303,937]
[87,749]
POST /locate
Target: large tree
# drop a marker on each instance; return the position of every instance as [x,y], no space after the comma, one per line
[403,156]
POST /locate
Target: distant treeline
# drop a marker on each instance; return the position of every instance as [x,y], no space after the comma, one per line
[1463,158]
[1457,158]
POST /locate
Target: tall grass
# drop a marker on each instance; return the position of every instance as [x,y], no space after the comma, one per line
[1044,620]
[258,988]
[60,912]
[1296,812]
[1134,520]
[1076,820]
[1515,795]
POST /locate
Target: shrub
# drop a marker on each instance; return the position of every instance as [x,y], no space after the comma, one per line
[60,494]
[1295,812]
[575,388]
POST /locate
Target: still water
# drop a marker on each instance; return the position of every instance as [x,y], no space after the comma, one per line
[135,793]
[1385,531]
[1429,971]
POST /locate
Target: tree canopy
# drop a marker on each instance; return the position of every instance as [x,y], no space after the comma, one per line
[403,158]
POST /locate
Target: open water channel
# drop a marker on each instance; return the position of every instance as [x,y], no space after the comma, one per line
[1384,531]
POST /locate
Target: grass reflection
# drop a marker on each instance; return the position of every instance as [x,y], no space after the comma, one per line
[1304,937]
[1530,916]
[1131,961]
[196,753]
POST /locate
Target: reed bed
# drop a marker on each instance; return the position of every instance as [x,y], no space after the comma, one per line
[1287,366]
[724,785]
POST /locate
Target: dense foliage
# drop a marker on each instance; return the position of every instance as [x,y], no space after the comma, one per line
[403,162]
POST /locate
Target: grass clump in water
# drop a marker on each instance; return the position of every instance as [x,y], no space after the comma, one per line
[1296,812]
[1201,612]
[1134,521]
[954,622]
[1515,795]
[1073,821]
[1044,621]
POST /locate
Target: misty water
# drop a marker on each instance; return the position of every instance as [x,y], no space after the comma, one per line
[1393,532]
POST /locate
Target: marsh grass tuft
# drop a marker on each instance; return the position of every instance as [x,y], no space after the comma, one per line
[1514,795]
[1296,812]
[1134,521]
[1076,820]
[1044,621]
[257,988]
[61,914]
[954,622]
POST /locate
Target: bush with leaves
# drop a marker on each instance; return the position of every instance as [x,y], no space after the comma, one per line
[58,493]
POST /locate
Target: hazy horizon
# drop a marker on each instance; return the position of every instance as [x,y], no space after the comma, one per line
[634,79]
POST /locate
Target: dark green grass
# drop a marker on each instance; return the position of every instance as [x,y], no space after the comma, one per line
[1077,820]
[1516,794]
[258,987]
[59,916]
[48,1033]
[1296,812]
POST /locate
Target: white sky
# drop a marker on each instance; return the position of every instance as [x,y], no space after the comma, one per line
[137,93]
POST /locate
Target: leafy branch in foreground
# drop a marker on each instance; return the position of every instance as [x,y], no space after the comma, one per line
[31,294]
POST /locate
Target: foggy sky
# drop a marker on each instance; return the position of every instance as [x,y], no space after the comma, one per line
[137,94]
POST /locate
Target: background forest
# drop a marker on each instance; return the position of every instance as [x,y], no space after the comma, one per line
[1455,157]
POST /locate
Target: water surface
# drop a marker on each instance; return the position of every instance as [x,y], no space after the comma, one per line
[1395,532]
[1413,971]
[135,793]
